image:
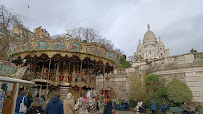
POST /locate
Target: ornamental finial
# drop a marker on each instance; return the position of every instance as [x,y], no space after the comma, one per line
[148,27]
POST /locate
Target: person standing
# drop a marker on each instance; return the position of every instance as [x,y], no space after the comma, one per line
[7,104]
[153,106]
[29,99]
[55,106]
[19,100]
[185,108]
[108,106]
[69,105]
[36,107]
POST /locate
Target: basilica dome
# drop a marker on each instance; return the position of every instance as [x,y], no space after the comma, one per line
[149,36]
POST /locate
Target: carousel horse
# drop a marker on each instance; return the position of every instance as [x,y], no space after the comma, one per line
[87,103]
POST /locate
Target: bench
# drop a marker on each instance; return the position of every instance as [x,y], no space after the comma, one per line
[175,109]
[201,110]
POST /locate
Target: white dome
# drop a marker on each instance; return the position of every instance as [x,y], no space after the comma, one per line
[149,36]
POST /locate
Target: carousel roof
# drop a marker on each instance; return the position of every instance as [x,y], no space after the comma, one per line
[64,47]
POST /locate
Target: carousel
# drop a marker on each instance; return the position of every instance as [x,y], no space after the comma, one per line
[63,65]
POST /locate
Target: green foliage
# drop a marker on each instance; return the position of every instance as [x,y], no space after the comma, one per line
[178,91]
[152,84]
[137,91]
[153,87]
[84,41]
[132,103]
[123,62]
[193,51]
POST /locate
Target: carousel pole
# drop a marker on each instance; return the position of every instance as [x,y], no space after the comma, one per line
[74,72]
[48,76]
[88,77]
[103,78]
[57,70]
[42,72]
[80,75]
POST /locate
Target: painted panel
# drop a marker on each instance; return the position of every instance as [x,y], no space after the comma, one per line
[96,51]
[75,46]
[42,45]
[15,48]
[111,55]
[58,45]
[27,46]
[5,69]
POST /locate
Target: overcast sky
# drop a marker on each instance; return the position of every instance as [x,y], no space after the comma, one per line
[179,23]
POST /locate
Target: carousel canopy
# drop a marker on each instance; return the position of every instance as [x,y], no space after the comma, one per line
[64,47]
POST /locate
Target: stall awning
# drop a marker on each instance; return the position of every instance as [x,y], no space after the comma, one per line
[3,78]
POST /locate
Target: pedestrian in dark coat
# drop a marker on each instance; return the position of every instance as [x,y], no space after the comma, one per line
[55,106]
[29,100]
[153,106]
[108,106]
[36,107]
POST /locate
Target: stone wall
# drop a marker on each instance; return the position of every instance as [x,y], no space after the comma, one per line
[117,85]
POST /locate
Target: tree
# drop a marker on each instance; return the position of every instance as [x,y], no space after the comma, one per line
[137,91]
[152,84]
[178,91]
[193,51]
[90,35]
[7,21]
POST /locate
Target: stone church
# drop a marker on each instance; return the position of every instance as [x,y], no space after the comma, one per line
[151,49]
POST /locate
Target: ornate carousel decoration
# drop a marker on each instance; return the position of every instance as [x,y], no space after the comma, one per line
[62,63]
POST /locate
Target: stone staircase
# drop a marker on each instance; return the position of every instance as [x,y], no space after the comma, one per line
[64,90]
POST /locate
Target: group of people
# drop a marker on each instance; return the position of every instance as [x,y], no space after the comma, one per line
[28,104]
[188,109]
[121,104]
[37,105]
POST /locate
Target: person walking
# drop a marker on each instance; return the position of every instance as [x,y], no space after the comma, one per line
[7,104]
[19,100]
[36,107]
[108,106]
[153,106]
[69,105]
[55,106]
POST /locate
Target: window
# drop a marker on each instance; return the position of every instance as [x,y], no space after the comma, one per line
[160,48]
